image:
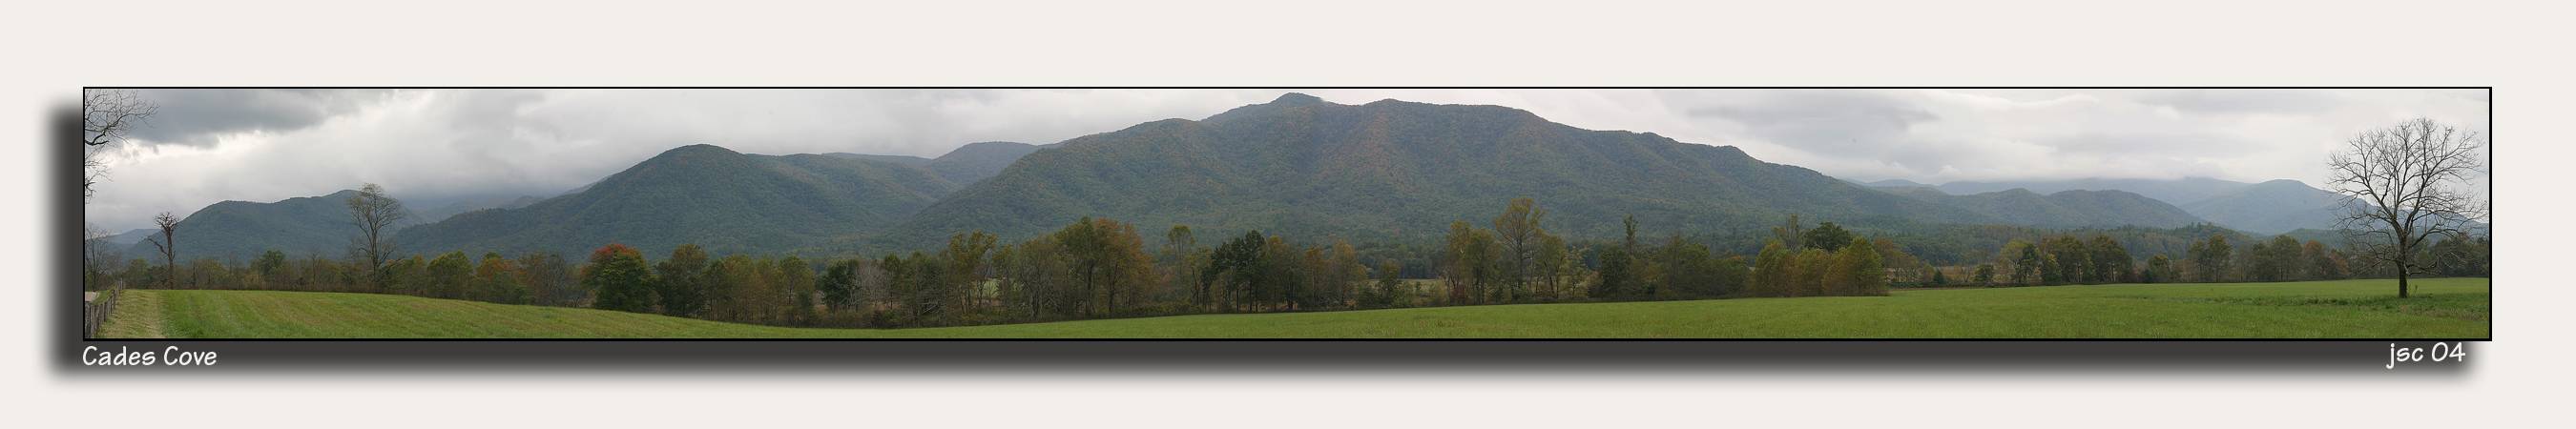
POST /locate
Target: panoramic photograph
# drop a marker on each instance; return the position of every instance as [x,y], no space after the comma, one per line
[1292,213]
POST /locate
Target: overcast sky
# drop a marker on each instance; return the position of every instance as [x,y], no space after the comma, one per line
[210,145]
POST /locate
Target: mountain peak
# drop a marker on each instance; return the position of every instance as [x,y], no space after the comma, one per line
[1296,99]
[1893,183]
[701,148]
[992,146]
[2284,183]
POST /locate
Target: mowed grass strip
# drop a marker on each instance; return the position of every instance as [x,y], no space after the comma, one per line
[2443,308]
[137,314]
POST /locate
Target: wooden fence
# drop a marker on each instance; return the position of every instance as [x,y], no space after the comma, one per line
[94,312]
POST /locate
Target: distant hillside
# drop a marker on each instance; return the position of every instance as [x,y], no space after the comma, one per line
[2062,209]
[241,230]
[2172,191]
[2267,208]
[433,211]
[891,159]
[2272,207]
[976,161]
[128,238]
[728,202]
[1387,169]
[963,165]
[304,226]
[1894,183]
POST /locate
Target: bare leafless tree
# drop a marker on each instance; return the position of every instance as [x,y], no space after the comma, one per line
[169,248]
[375,214]
[93,255]
[107,117]
[2407,183]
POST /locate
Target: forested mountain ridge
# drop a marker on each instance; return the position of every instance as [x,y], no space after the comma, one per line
[299,227]
[241,230]
[855,192]
[2272,207]
[2062,209]
[2172,191]
[726,201]
[127,238]
[2269,207]
[964,165]
[1396,169]
[439,212]
[976,161]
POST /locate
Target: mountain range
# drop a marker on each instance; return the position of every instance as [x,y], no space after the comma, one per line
[727,201]
[1298,165]
[1394,169]
[240,230]
[966,164]
[2062,209]
[2271,207]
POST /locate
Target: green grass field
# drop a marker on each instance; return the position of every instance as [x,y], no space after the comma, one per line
[2442,308]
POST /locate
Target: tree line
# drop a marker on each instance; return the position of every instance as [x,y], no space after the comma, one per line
[1102,268]
[2065,259]
[1091,268]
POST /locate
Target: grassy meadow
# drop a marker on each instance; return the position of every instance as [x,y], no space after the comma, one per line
[2442,308]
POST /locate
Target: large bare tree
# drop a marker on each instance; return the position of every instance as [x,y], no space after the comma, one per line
[2408,183]
[93,255]
[169,248]
[375,214]
[107,117]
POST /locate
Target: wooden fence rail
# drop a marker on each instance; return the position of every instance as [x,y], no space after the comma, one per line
[94,312]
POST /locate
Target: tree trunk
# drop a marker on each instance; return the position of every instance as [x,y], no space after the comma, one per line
[2401,281]
[170,258]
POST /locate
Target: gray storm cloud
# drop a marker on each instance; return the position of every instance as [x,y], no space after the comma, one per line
[1822,120]
[209,145]
[186,116]
[2278,101]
